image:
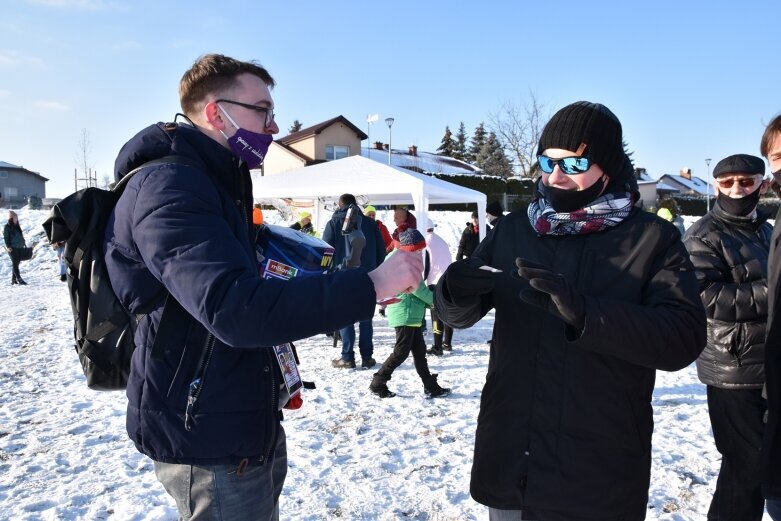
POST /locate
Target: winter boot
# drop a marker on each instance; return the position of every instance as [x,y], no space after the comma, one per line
[21,281]
[13,279]
[63,277]
[436,349]
[379,386]
[432,388]
[447,347]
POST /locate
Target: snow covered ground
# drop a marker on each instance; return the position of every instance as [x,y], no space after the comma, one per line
[64,454]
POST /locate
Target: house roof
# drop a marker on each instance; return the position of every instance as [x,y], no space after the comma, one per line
[4,164]
[422,162]
[695,184]
[316,129]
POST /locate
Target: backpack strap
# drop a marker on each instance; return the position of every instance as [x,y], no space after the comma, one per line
[172,310]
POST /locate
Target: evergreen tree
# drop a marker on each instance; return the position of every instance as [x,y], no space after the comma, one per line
[459,152]
[626,150]
[447,147]
[295,127]
[478,140]
[492,160]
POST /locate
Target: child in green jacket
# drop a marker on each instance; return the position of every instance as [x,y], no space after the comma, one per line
[406,317]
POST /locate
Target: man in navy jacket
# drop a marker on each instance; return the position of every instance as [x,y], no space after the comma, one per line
[207,408]
[372,256]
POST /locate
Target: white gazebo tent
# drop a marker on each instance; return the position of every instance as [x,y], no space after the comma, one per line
[378,183]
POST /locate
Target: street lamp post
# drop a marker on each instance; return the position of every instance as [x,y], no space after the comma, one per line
[389,122]
[707,187]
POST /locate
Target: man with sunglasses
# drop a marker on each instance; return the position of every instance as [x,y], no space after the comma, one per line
[592,296]
[206,409]
[770,457]
[729,249]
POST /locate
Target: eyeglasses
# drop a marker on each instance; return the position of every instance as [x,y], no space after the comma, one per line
[269,113]
[744,182]
[571,165]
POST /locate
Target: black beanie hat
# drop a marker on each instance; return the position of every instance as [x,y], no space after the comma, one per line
[594,125]
[739,163]
[494,208]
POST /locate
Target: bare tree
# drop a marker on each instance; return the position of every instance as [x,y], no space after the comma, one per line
[83,160]
[518,127]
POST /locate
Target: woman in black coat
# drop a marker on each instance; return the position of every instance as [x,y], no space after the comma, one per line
[14,241]
[470,238]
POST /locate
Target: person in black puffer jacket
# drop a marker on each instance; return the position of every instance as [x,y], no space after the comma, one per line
[729,248]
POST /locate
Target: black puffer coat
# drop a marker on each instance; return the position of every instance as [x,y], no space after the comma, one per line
[730,256]
[565,427]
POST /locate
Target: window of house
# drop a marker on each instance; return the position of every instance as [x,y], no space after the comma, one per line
[333,152]
[3,174]
[10,191]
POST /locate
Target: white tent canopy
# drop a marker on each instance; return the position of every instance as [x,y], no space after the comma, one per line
[379,184]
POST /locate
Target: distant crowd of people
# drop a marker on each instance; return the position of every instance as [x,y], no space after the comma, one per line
[591,296]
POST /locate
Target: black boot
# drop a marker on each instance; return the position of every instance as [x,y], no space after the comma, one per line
[21,281]
[379,386]
[13,280]
[433,390]
[435,351]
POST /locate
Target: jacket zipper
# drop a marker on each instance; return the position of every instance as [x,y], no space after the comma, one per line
[196,386]
[272,437]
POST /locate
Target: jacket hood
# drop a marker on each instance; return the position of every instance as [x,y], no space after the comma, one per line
[162,139]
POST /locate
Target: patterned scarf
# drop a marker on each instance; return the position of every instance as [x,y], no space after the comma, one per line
[606,211]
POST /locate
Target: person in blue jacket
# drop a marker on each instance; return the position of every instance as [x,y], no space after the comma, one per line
[372,256]
[206,407]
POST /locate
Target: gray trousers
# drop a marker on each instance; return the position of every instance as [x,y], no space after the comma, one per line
[225,492]
[494,514]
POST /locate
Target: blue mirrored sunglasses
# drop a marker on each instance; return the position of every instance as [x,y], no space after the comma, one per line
[571,165]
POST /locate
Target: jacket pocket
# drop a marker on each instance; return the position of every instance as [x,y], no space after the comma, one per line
[186,366]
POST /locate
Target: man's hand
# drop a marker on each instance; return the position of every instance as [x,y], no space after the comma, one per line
[552,292]
[401,273]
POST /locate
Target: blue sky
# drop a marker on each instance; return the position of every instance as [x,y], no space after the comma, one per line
[688,80]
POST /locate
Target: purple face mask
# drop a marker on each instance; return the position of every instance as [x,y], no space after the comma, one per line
[250,146]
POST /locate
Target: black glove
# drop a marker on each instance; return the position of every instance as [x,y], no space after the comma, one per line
[464,279]
[551,292]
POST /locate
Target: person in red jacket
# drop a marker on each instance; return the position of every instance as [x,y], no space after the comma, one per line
[371,212]
[403,219]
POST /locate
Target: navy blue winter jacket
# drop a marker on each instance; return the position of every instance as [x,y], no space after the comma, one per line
[188,230]
[373,253]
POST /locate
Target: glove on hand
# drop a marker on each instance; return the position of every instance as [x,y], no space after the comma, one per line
[464,278]
[551,292]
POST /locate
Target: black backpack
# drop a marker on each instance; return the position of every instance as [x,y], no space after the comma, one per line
[102,327]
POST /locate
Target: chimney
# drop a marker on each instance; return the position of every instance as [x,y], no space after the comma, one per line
[686,173]
[378,145]
[413,150]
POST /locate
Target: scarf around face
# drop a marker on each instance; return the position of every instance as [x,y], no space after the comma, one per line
[604,212]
